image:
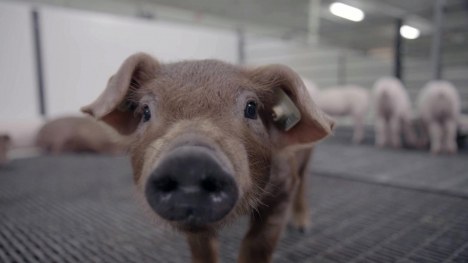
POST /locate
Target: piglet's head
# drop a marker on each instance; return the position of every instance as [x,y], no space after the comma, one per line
[202,133]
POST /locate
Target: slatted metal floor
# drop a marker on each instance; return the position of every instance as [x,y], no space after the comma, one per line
[80,208]
[405,168]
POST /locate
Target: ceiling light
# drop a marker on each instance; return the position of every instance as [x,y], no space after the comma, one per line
[347,12]
[409,32]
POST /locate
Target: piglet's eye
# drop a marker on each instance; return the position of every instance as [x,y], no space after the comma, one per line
[146,114]
[250,111]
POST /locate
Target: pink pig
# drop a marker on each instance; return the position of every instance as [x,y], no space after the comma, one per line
[439,110]
[348,100]
[393,113]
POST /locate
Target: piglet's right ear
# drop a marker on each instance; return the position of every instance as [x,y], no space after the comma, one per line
[113,105]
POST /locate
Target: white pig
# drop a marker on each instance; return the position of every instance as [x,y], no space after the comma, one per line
[439,110]
[393,113]
[79,134]
[349,100]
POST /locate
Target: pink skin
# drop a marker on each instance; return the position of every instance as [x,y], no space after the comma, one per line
[203,104]
[439,110]
[60,135]
[349,100]
[78,134]
[393,113]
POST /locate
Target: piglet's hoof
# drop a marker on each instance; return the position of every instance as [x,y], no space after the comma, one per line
[301,225]
[298,229]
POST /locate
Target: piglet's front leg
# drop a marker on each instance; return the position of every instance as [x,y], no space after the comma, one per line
[204,248]
[269,219]
[260,242]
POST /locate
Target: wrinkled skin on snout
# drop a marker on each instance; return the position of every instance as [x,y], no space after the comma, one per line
[205,150]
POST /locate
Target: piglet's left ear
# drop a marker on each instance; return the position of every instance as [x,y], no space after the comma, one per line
[113,105]
[314,124]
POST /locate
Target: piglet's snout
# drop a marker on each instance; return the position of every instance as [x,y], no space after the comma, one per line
[191,186]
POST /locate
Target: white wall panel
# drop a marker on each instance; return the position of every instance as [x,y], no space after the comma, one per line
[82,50]
[18,90]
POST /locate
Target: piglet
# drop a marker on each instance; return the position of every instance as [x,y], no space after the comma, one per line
[349,100]
[208,145]
[393,113]
[438,106]
[79,134]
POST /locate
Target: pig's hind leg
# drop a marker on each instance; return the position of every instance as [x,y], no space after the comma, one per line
[358,135]
[381,132]
[450,138]
[435,134]
[395,132]
[410,134]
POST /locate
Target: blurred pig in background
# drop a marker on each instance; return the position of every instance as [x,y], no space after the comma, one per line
[79,134]
[349,100]
[393,114]
[439,110]
[22,137]
[311,88]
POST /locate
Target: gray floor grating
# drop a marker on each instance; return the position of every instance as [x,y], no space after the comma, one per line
[80,208]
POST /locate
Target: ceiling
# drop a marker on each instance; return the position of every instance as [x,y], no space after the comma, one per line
[378,29]
[289,19]
[375,32]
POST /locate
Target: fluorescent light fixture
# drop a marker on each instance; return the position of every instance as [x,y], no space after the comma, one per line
[409,32]
[347,12]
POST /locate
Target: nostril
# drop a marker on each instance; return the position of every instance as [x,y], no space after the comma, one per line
[166,184]
[211,185]
[191,187]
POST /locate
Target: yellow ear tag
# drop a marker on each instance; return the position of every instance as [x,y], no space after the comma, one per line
[285,113]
